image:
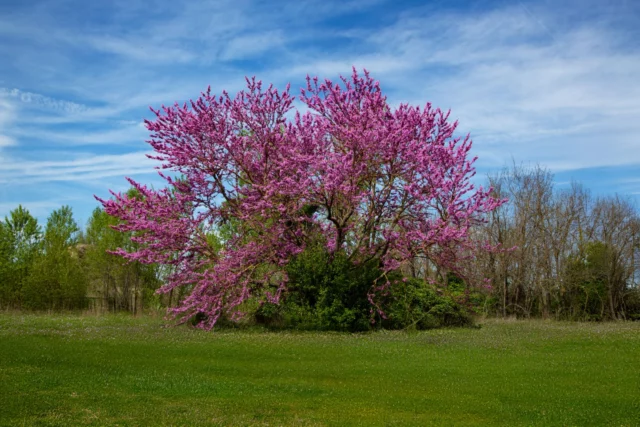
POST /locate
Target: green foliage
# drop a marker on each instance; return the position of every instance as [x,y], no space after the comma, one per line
[587,280]
[57,280]
[632,304]
[120,284]
[331,294]
[414,304]
[7,293]
[474,300]
[325,293]
[40,271]
[20,240]
[62,269]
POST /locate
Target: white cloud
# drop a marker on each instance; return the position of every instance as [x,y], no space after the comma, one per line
[140,50]
[7,112]
[44,102]
[134,134]
[246,46]
[7,117]
[6,141]
[379,65]
[79,169]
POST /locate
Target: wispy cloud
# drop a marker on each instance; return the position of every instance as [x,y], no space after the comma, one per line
[79,169]
[6,141]
[249,45]
[7,117]
[44,102]
[140,50]
[133,134]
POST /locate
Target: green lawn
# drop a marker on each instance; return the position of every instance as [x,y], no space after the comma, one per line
[118,370]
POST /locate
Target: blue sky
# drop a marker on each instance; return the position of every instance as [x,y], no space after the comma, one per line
[549,82]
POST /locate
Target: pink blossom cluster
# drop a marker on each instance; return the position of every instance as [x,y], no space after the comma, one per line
[369,180]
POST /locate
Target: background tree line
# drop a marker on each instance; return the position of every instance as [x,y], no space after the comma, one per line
[569,256]
[574,256]
[63,267]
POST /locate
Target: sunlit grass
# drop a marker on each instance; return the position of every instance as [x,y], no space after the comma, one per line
[119,370]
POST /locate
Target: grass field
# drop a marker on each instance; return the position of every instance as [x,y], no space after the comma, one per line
[118,370]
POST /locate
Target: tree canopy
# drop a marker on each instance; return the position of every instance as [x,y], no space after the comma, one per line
[363,179]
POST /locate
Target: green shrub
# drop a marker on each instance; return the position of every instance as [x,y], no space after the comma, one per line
[632,304]
[413,304]
[331,294]
[324,294]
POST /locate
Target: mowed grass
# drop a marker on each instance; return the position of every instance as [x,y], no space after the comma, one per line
[119,370]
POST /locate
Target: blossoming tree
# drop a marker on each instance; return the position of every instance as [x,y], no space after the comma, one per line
[374,182]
